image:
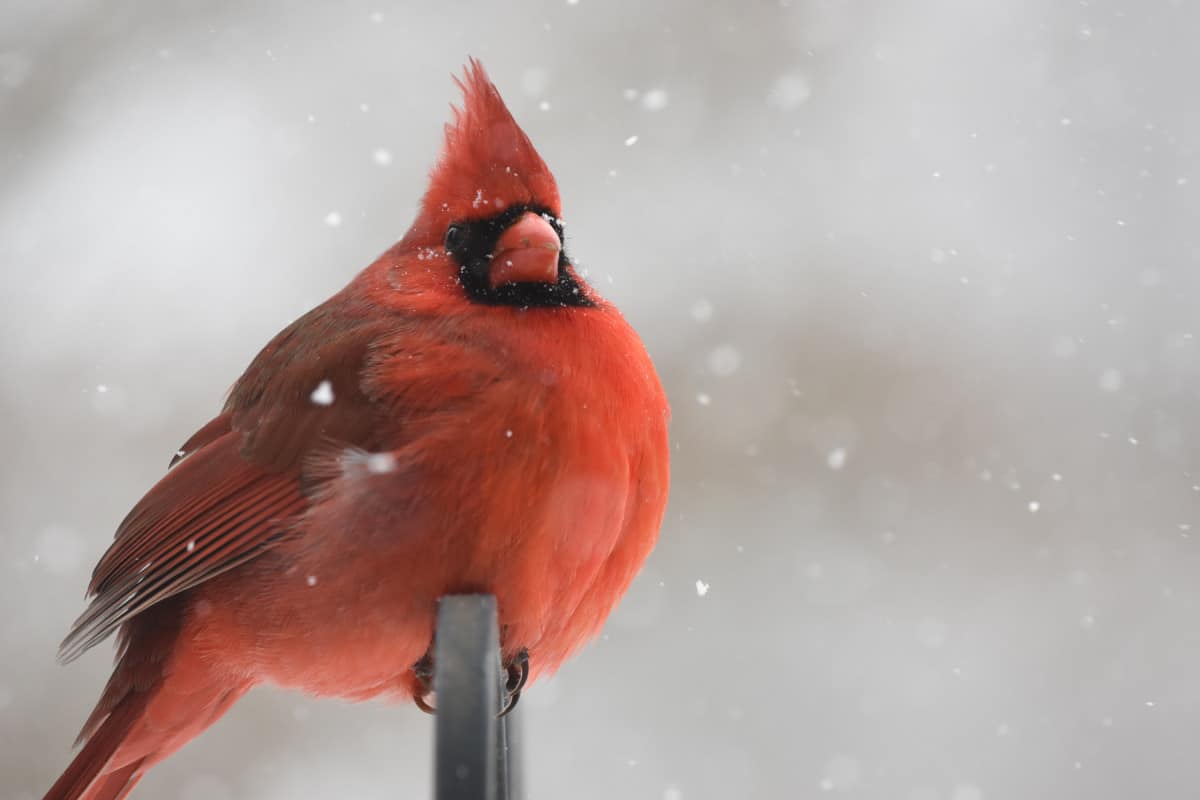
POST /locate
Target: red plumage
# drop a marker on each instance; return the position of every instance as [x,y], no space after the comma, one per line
[466,415]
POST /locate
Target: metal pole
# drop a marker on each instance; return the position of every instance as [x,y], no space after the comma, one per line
[512,788]
[471,748]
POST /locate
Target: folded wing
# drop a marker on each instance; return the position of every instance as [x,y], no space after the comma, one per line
[239,485]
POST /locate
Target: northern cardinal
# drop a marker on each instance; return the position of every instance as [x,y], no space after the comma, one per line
[467,415]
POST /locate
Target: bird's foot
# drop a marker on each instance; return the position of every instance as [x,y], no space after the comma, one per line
[517,673]
[423,670]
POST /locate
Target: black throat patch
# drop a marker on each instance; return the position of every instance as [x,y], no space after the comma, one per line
[472,243]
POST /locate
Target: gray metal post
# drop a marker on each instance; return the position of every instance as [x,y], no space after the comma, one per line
[473,751]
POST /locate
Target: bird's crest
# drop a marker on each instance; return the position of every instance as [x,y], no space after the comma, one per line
[487,163]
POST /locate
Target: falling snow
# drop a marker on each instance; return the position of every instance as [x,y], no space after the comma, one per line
[655,99]
[724,360]
[1064,347]
[843,773]
[789,92]
[323,394]
[701,310]
[1111,380]
[381,463]
[701,588]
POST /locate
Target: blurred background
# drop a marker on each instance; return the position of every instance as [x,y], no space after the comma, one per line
[922,282]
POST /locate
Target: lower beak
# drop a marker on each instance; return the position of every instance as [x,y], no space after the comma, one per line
[527,252]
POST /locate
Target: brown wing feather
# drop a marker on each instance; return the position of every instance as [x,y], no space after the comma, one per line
[207,515]
[216,428]
[237,485]
[276,403]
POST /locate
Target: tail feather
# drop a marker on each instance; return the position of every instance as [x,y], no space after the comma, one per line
[116,785]
[143,729]
[162,694]
[85,778]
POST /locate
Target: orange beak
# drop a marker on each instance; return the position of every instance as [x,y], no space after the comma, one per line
[527,252]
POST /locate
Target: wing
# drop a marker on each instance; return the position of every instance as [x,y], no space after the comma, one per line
[237,486]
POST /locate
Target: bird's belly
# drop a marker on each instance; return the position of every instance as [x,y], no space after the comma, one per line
[351,621]
[349,607]
[336,631]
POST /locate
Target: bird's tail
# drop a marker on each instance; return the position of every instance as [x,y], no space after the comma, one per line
[142,729]
[160,696]
[91,775]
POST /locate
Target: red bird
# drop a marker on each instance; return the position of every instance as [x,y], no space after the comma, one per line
[467,415]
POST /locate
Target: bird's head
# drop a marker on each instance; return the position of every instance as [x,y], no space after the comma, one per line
[489,225]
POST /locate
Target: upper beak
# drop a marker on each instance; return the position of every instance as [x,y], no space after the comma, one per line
[527,252]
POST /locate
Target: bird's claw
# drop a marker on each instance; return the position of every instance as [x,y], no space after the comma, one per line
[516,676]
[420,702]
[423,670]
[517,673]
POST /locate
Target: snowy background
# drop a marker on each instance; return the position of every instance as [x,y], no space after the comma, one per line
[922,280]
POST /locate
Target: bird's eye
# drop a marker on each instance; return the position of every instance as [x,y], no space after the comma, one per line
[456,236]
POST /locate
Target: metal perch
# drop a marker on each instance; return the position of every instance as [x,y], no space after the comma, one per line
[474,755]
